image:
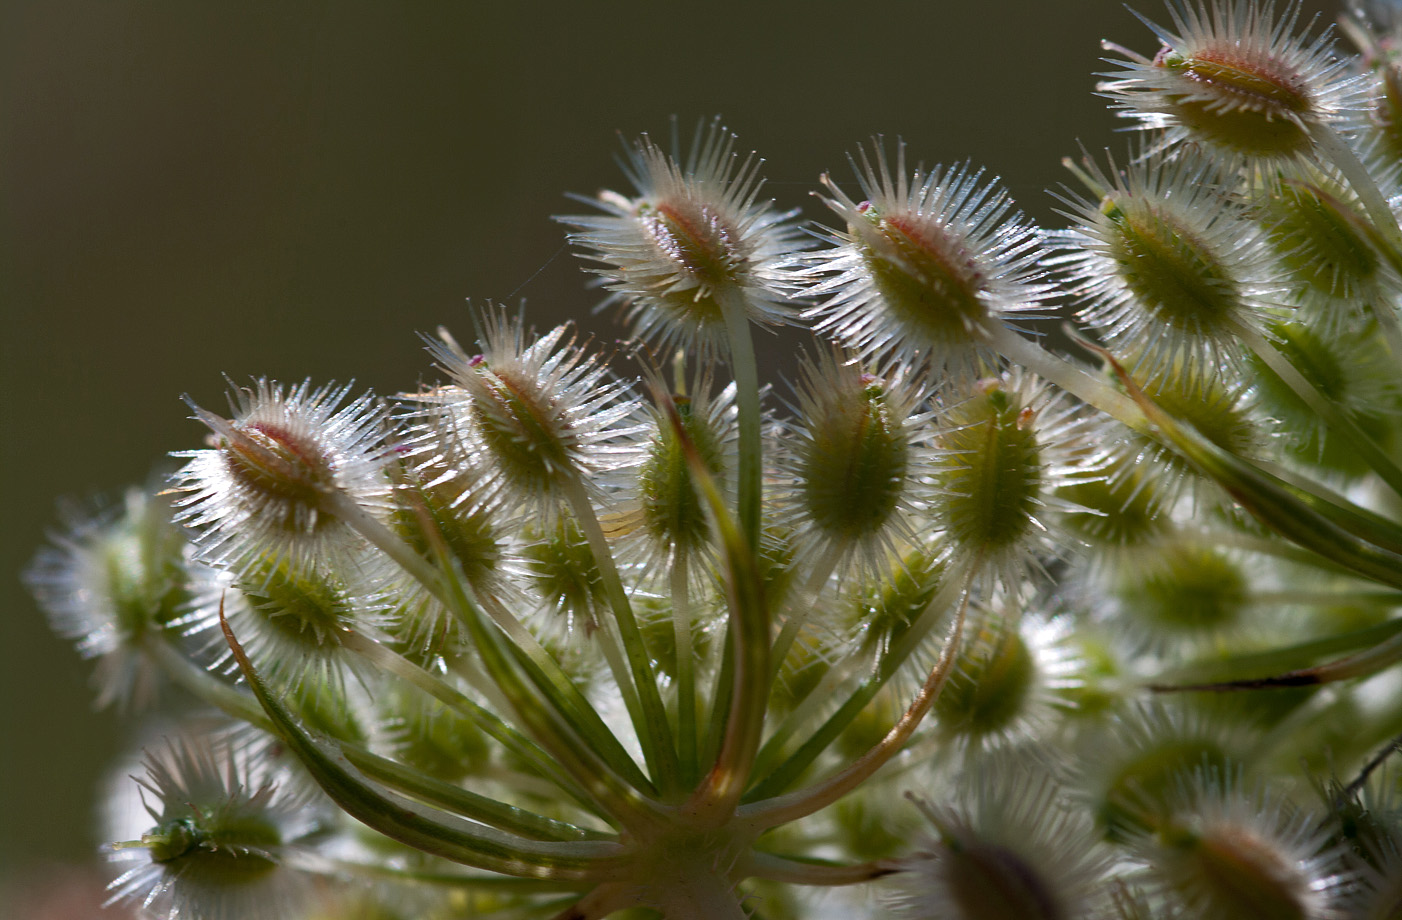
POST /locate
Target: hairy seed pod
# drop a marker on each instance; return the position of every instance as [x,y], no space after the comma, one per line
[1226,854]
[855,451]
[672,511]
[989,472]
[1233,78]
[925,262]
[1184,590]
[1006,847]
[1167,267]
[276,470]
[694,234]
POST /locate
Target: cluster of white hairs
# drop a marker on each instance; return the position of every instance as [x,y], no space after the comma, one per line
[960,628]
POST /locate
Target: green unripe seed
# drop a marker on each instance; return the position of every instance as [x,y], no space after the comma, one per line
[930,281]
[433,737]
[1318,361]
[172,840]
[657,624]
[301,607]
[326,708]
[871,724]
[1316,236]
[526,433]
[990,685]
[1219,413]
[1142,789]
[1338,366]
[699,241]
[143,570]
[1177,280]
[221,849]
[853,467]
[463,528]
[1387,112]
[989,471]
[899,596]
[673,512]
[875,829]
[1254,111]
[1187,589]
[283,465]
[1125,504]
[561,565]
[1242,131]
[802,670]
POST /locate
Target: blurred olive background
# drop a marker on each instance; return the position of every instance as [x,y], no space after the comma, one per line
[297,189]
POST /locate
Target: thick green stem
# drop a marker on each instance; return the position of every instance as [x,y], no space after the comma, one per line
[414,825]
[1071,378]
[546,674]
[1297,657]
[567,701]
[1383,655]
[1268,499]
[1338,153]
[742,360]
[593,777]
[463,802]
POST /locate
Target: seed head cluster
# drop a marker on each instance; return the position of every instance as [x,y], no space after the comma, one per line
[959,625]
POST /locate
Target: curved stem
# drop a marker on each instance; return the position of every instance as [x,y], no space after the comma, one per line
[786,808]
[1267,498]
[714,799]
[1276,549]
[410,823]
[340,869]
[1277,660]
[599,787]
[823,694]
[546,673]
[463,802]
[567,704]
[1383,655]
[654,730]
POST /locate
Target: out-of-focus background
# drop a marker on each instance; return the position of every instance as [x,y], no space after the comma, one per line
[296,189]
